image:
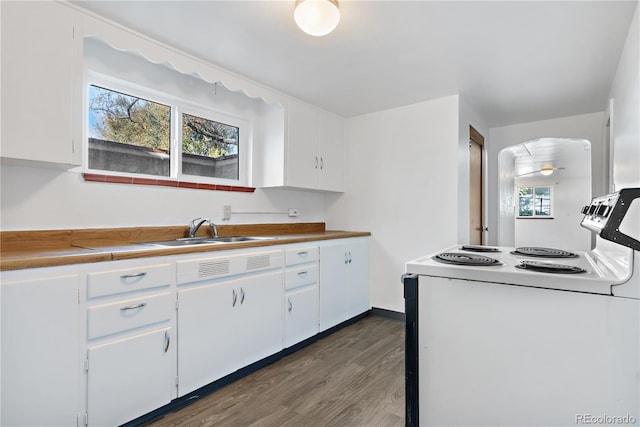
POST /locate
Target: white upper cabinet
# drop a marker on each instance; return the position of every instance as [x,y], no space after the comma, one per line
[302,147]
[315,148]
[41,82]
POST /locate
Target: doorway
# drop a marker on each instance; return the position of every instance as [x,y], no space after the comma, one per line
[476,227]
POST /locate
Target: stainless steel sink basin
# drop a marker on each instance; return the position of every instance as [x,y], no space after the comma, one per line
[190,241]
[232,239]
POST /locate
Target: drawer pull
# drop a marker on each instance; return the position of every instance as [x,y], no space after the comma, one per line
[241,295]
[133,307]
[290,305]
[303,273]
[303,254]
[167,341]
[133,276]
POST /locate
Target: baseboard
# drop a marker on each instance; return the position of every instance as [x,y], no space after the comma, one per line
[389,314]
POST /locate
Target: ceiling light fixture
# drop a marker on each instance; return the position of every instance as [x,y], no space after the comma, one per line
[317,17]
[546,171]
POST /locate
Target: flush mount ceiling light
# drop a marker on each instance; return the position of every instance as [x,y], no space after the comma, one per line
[317,17]
[546,171]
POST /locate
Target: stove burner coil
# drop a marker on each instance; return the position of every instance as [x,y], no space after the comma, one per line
[478,248]
[466,259]
[548,267]
[544,252]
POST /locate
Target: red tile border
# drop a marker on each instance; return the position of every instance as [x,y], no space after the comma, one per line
[93,177]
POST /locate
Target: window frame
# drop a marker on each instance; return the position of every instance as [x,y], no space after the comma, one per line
[533,211]
[177,106]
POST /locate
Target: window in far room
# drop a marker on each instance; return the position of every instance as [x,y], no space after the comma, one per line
[534,202]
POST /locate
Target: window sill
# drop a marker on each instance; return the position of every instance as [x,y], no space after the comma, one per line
[534,217]
[164,183]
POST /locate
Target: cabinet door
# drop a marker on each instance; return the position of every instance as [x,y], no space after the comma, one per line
[301,308]
[358,278]
[40,360]
[260,322]
[41,82]
[129,377]
[333,285]
[331,152]
[302,163]
[209,344]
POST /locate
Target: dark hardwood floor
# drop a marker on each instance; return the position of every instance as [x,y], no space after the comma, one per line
[354,377]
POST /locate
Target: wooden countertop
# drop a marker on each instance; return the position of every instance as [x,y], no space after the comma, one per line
[48,248]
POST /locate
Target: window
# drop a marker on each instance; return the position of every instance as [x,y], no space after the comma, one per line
[534,202]
[209,148]
[128,133]
[133,131]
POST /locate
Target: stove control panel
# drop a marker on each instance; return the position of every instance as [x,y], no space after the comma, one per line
[605,215]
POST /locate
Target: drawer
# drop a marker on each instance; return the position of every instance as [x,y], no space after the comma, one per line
[301,276]
[129,279]
[107,319]
[301,255]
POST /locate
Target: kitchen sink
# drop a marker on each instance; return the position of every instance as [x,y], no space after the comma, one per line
[191,241]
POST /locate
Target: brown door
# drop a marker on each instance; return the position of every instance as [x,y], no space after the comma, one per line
[476,144]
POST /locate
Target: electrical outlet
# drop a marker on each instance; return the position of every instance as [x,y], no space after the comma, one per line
[293,212]
[226,212]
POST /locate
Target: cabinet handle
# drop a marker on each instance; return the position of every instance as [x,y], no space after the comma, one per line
[133,307]
[316,162]
[167,341]
[303,254]
[133,276]
[290,305]
[235,297]
[350,258]
[321,163]
[241,295]
[346,258]
[303,273]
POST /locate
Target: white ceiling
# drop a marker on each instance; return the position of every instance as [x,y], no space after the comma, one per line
[570,158]
[513,61]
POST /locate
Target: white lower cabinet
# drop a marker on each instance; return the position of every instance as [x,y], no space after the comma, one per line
[129,377]
[301,294]
[130,353]
[39,370]
[103,344]
[301,314]
[344,280]
[228,323]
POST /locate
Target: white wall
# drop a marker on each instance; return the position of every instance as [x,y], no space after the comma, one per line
[468,116]
[585,126]
[38,198]
[402,185]
[625,117]
[563,231]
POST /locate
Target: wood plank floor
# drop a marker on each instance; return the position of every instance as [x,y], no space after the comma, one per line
[354,377]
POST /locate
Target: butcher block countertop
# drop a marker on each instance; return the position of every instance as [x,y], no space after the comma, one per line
[48,248]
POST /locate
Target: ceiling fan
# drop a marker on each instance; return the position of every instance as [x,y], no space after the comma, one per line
[546,171]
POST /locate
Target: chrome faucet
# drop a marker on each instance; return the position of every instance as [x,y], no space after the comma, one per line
[214,229]
[195,225]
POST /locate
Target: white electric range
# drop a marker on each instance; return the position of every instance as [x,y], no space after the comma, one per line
[528,336]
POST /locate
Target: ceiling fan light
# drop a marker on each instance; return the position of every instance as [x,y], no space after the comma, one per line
[317,17]
[546,171]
